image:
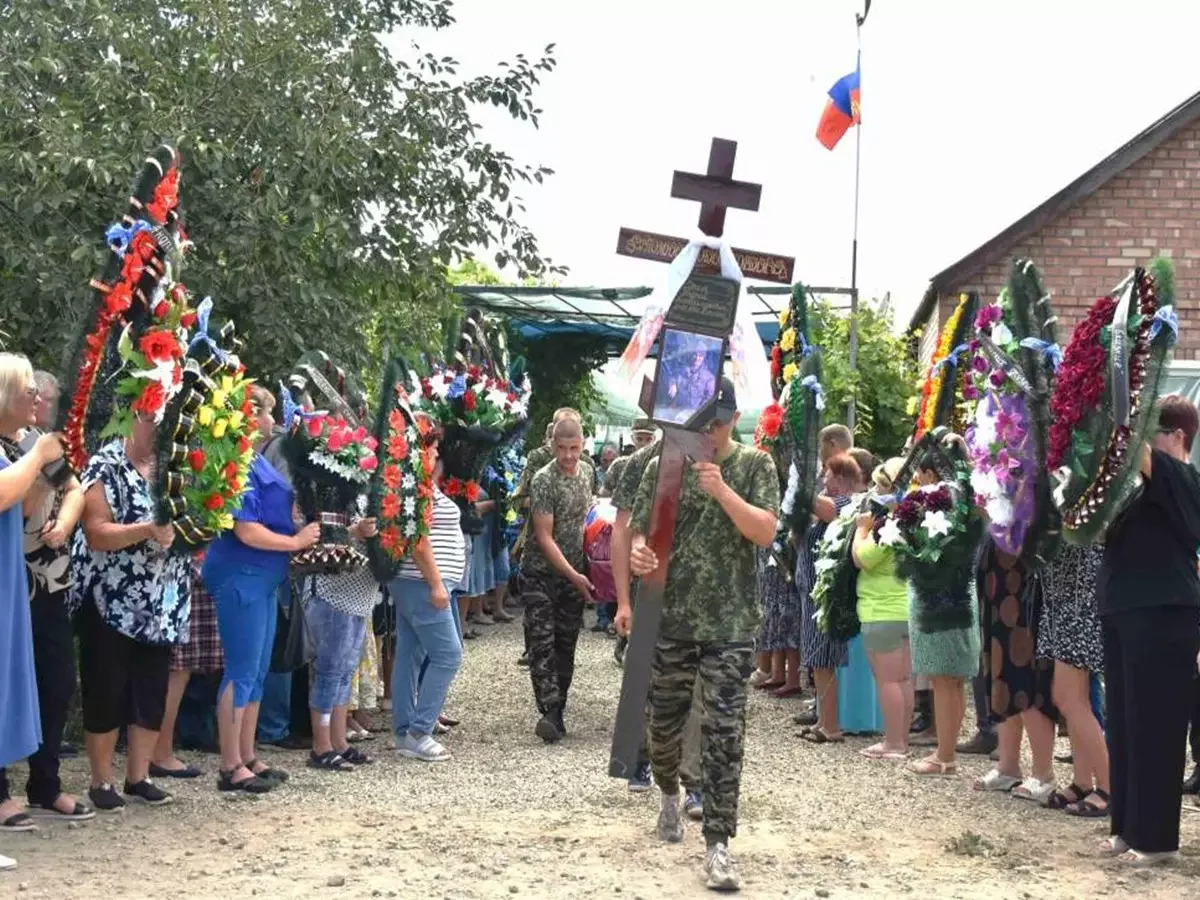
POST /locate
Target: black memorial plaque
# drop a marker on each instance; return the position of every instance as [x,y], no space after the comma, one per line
[706,304]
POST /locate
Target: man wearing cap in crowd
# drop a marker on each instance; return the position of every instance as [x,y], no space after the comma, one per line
[711,617]
[643,436]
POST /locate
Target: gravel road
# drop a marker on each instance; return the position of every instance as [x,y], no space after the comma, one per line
[511,817]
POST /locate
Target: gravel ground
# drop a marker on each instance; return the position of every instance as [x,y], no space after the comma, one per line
[509,816]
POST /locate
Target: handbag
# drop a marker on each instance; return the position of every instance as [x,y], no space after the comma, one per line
[294,647]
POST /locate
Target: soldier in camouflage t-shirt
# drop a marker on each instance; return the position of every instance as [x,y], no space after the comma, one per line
[556,587]
[711,617]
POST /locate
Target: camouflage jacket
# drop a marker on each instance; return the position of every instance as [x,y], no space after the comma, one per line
[567,498]
[625,492]
[712,591]
[613,475]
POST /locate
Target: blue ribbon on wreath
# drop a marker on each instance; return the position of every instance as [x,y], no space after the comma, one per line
[1165,315]
[203,313]
[1052,352]
[811,382]
[457,388]
[951,359]
[292,409]
[805,347]
[119,236]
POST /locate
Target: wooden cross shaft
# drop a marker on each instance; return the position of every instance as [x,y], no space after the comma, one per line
[679,449]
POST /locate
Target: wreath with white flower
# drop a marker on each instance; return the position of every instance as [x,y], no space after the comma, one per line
[834,594]
[934,529]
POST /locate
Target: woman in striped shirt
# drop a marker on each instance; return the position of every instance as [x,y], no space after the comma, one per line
[427,626]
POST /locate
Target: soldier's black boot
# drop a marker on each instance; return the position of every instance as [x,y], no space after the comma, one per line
[547,727]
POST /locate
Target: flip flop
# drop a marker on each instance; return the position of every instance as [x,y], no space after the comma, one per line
[770,685]
[19,822]
[817,736]
[786,691]
[931,767]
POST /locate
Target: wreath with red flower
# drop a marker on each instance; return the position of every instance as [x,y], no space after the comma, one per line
[401,497]
[128,293]
[1092,455]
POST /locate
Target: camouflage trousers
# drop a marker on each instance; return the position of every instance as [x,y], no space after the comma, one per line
[689,766]
[553,617]
[721,672]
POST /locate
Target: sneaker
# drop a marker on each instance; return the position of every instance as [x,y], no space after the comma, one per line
[806,716]
[693,805]
[547,729]
[921,722]
[982,744]
[640,782]
[619,651]
[670,823]
[105,798]
[719,872]
[422,747]
[148,792]
[6,863]
[523,662]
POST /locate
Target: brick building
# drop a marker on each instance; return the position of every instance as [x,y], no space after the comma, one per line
[1139,202]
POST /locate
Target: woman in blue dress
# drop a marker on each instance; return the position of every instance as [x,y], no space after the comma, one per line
[243,571]
[22,731]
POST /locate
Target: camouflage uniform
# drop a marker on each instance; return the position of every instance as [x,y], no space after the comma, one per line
[539,457]
[710,619]
[553,608]
[624,494]
[613,476]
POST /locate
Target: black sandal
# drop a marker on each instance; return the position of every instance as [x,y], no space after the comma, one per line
[356,757]
[252,785]
[1086,809]
[329,762]
[18,822]
[278,776]
[1060,801]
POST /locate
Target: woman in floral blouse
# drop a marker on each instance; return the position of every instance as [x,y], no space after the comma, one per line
[133,600]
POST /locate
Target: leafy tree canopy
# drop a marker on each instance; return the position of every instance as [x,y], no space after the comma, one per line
[883,380]
[328,183]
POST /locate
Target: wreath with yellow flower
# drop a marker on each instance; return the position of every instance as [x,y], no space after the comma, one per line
[941,391]
[401,493]
[205,446]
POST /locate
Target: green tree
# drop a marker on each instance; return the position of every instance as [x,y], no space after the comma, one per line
[883,379]
[327,182]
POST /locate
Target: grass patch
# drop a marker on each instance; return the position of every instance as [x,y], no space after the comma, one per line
[971,844]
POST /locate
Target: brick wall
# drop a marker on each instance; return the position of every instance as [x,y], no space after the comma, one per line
[1151,208]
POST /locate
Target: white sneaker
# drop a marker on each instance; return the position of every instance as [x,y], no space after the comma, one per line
[995,780]
[6,863]
[1032,789]
[424,748]
[719,872]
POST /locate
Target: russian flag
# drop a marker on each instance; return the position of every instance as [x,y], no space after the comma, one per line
[841,111]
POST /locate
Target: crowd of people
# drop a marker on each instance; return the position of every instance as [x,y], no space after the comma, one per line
[168,643]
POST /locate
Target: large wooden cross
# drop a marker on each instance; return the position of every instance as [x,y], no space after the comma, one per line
[716,191]
[704,305]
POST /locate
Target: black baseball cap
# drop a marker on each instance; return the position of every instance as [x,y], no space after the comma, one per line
[726,401]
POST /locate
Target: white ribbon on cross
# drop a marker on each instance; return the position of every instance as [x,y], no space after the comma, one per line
[749,369]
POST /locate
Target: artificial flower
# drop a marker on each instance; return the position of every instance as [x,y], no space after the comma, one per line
[205,416]
[397,447]
[389,507]
[368,463]
[214,502]
[160,346]
[1001,335]
[787,340]
[219,427]
[889,533]
[391,476]
[936,523]
[152,399]
[790,371]
[472,491]
[197,459]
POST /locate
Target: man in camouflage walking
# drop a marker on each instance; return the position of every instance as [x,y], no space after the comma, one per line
[556,587]
[711,617]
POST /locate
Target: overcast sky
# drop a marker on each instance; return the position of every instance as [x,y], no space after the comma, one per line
[974,112]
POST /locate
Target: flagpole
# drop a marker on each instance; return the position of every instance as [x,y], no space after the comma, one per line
[852,407]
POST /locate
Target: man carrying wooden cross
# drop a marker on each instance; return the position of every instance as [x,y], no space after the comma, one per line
[710,619]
